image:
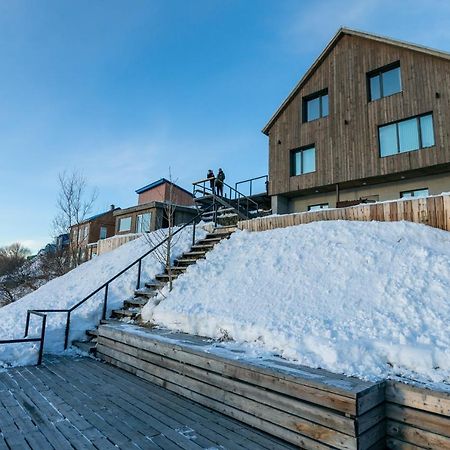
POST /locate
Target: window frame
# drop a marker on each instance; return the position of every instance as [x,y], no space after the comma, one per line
[103,227]
[138,221]
[301,150]
[414,190]
[307,98]
[379,72]
[119,230]
[419,133]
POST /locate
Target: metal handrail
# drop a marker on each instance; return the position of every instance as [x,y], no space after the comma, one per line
[239,197]
[26,339]
[105,286]
[250,180]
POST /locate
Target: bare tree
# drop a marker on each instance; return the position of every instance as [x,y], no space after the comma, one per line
[13,272]
[74,203]
[12,257]
[163,254]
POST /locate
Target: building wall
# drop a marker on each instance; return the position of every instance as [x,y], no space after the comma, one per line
[436,184]
[346,140]
[161,193]
[157,194]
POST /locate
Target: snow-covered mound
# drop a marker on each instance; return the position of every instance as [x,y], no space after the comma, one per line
[67,290]
[370,299]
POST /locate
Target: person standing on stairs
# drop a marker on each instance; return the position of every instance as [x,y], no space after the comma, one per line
[219,182]
[211,177]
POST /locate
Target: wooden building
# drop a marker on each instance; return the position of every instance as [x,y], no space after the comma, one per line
[150,212]
[91,230]
[369,121]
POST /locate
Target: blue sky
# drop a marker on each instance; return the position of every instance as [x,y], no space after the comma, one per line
[121,90]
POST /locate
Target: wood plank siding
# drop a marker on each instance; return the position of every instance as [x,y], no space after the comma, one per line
[346,141]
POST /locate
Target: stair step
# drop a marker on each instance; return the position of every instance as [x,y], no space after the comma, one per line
[107,321]
[194,253]
[212,241]
[125,312]
[85,346]
[135,303]
[92,333]
[147,293]
[202,247]
[178,269]
[165,276]
[185,261]
[154,285]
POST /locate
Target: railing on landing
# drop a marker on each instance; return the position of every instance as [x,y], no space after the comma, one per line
[241,203]
[104,287]
[251,182]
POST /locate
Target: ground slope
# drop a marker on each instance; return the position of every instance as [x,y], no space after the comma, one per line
[369,299]
[65,291]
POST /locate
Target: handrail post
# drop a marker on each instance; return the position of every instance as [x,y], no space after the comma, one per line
[193,233]
[105,302]
[27,324]
[66,335]
[138,283]
[41,347]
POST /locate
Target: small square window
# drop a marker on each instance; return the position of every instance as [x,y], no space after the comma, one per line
[384,81]
[315,106]
[303,161]
[125,224]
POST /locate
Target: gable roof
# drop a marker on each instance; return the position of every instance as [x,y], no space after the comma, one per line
[342,32]
[159,183]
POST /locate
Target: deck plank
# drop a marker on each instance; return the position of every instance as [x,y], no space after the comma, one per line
[81,403]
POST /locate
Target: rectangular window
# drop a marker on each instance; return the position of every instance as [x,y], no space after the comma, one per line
[303,161]
[414,194]
[125,224]
[315,106]
[103,232]
[143,223]
[406,135]
[384,81]
[318,207]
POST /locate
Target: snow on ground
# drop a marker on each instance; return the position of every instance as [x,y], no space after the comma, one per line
[66,291]
[369,299]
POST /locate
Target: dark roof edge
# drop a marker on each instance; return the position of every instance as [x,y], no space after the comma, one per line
[158,183]
[352,32]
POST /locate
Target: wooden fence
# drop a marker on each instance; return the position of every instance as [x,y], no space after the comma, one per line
[433,211]
[106,245]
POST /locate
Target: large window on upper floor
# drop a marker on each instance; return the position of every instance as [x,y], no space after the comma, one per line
[303,161]
[384,81]
[315,106]
[406,135]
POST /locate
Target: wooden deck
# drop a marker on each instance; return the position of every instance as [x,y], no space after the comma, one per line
[82,403]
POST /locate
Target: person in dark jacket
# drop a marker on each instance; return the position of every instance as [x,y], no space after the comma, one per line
[219,182]
[211,177]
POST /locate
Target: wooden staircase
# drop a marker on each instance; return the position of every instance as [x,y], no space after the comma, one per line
[132,307]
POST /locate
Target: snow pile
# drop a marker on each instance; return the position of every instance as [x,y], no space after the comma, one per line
[369,299]
[67,290]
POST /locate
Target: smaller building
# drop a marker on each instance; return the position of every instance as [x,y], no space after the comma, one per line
[151,211]
[91,230]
